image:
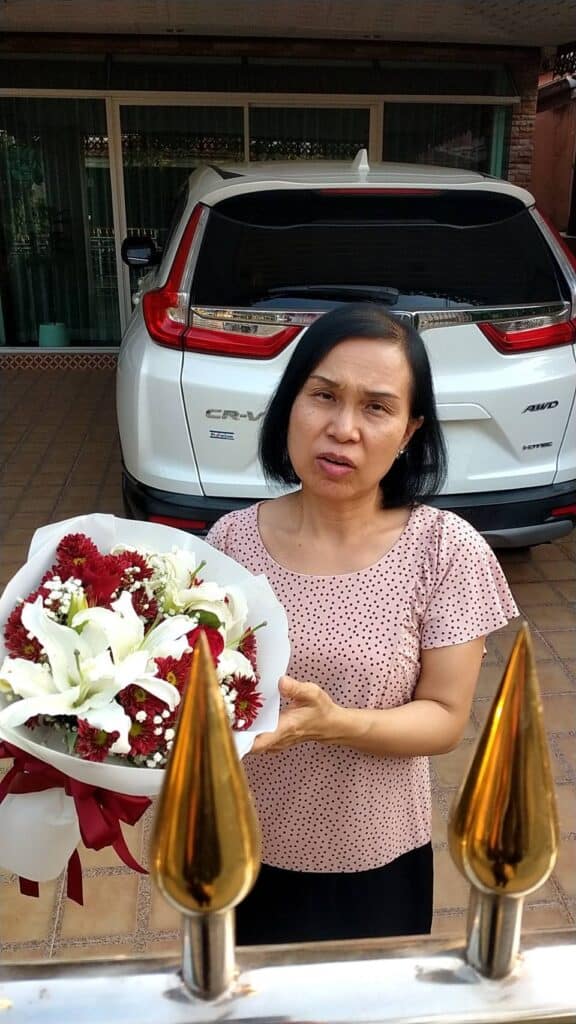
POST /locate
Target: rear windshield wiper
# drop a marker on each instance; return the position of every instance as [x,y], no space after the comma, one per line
[343,291]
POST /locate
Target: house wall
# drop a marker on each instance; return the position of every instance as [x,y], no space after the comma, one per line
[521,152]
[553,164]
[523,63]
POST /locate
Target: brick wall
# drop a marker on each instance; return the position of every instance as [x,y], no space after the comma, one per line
[523,122]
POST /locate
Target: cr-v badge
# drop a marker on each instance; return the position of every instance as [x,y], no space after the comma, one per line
[233,414]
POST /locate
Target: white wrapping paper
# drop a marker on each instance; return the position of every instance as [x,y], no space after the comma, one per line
[53,818]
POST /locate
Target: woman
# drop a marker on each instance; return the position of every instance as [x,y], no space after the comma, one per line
[388,602]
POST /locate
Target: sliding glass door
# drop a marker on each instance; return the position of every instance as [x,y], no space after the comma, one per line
[308,133]
[57,260]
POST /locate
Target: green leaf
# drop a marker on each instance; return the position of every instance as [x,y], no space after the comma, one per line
[208,619]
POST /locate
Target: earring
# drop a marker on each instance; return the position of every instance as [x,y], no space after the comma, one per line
[400,453]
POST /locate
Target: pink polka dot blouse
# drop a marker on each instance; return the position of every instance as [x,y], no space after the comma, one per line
[359,635]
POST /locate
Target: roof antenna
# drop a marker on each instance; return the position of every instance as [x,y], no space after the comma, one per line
[360,162]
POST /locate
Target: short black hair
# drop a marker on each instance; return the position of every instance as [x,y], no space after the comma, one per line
[417,474]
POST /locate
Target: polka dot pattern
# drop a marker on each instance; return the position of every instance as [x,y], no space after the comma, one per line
[359,636]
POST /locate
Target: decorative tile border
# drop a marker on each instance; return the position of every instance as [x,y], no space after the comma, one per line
[58,360]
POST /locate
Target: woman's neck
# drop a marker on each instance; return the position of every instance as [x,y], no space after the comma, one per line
[307,535]
[318,517]
[338,521]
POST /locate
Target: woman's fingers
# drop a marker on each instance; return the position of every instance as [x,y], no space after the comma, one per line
[303,693]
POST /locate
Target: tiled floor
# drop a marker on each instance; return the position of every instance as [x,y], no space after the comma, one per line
[59,450]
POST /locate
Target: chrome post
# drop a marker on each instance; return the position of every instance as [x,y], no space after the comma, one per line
[208,956]
[493,933]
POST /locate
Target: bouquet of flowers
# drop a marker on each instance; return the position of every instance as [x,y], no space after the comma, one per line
[99,628]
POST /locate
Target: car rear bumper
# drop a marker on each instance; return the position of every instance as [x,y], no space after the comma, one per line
[507,519]
[520,518]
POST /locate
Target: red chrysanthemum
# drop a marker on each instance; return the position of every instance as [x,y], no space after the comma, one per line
[18,643]
[93,744]
[144,606]
[131,560]
[248,702]
[214,638]
[175,670]
[143,739]
[249,647]
[73,553]
[135,698]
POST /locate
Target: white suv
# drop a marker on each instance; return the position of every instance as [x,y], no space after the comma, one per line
[257,252]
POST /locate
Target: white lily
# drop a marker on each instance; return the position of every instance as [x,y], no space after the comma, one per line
[177,572]
[122,630]
[235,614]
[232,662]
[81,678]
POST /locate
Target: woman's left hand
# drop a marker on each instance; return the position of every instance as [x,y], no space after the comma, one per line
[306,718]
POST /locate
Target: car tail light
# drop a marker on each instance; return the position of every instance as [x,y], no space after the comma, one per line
[510,338]
[251,341]
[166,309]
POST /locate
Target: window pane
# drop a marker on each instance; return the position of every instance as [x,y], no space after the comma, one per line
[449,135]
[308,249]
[161,146]
[298,133]
[56,232]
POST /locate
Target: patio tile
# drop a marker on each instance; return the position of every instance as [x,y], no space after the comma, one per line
[25,918]
[109,908]
[527,594]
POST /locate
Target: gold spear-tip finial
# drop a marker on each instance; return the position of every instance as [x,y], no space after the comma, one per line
[503,829]
[206,837]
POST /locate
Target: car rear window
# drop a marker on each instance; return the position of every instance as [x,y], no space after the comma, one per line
[415,251]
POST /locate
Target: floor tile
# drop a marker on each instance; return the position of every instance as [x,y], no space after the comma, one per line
[566,745]
[565,869]
[450,769]
[551,616]
[453,925]
[27,918]
[566,801]
[165,947]
[536,918]
[163,917]
[567,588]
[559,711]
[109,908]
[106,950]
[565,570]
[527,594]
[562,642]
[451,890]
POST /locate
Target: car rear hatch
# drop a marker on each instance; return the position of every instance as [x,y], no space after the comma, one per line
[472,270]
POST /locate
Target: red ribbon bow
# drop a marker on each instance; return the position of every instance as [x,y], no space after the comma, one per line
[99,811]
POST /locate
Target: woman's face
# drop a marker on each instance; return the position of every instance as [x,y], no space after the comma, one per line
[351,418]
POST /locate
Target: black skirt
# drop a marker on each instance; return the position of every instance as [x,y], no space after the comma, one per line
[305,906]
